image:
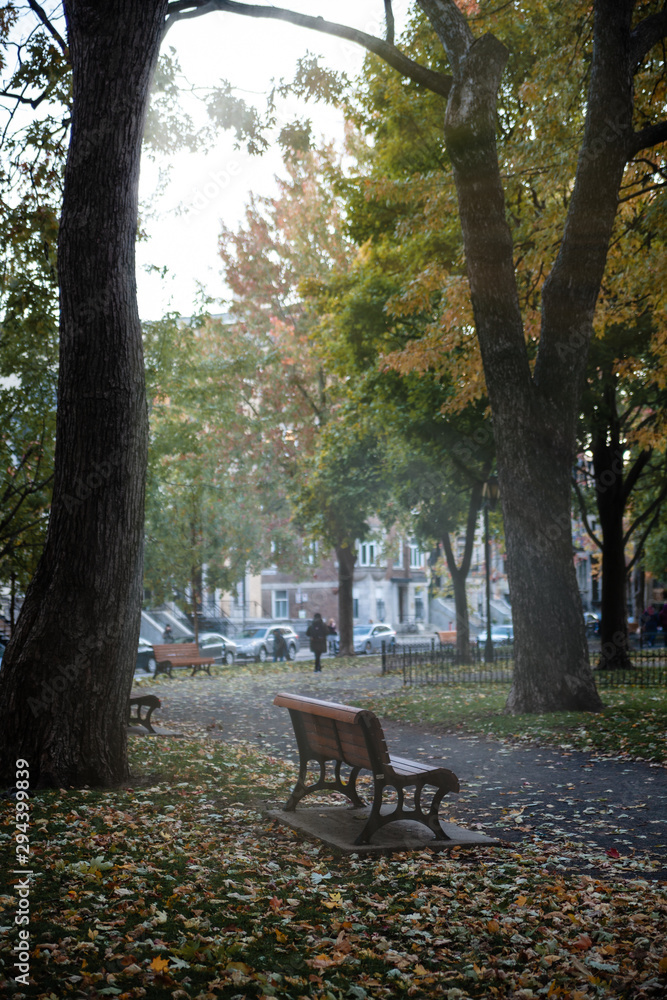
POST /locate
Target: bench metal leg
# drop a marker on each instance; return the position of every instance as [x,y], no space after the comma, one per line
[376,820]
[348,788]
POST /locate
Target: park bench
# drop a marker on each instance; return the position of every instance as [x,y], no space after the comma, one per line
[181,654]
[143,708]
[328,732]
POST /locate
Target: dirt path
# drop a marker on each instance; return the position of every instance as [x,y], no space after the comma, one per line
[516,792]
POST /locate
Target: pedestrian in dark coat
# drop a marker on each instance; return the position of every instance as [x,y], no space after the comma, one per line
[280,651]
[317,633]
[650,625]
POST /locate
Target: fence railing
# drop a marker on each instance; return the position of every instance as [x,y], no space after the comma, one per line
[430,663]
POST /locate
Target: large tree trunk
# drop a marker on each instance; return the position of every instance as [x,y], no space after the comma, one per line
[534,412]
[346,555]
[67,673]
[551,669]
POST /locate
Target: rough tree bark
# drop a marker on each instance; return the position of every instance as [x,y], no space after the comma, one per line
[347,556]
[67,672]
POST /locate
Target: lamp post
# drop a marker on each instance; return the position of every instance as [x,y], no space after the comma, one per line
[490,494]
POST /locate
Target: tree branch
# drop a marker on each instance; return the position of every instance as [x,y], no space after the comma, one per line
[639,546]
[50,27]
[652,509]
[389,21]
[652,135]
[438,83]
[644,37]
[584,514]
[20,99]
[451,27]
[630,481]
[471,524]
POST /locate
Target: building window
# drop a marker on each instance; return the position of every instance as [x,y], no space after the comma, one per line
[311,553]
[280,604]
[379,609]
[419,608]
[416,556]
[367,555]
[355,607]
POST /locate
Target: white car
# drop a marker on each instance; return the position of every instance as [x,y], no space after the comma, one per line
[501,635]
[369,638]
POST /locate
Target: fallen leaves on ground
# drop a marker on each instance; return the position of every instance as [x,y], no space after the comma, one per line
[179,887]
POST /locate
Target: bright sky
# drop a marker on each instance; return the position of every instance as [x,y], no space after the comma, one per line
[213,188]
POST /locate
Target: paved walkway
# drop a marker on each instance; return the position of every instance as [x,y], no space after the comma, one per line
[515,792]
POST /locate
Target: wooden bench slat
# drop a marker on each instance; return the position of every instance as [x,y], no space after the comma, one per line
[328,731]
[328,709]
[183,654]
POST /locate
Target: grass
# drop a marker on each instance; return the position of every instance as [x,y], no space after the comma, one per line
[633,723]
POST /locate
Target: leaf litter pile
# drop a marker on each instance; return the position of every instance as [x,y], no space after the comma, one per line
[180,887]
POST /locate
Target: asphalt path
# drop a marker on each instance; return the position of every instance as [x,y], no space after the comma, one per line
[512,791]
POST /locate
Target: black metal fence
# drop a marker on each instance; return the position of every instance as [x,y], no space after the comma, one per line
[431,663]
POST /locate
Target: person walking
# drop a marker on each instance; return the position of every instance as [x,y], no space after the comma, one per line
[279,646]
[167,635]
[650,625]
[317,633]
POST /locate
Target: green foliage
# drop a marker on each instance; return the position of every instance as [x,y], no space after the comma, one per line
[656,553]
[345,483]
[34,151]
[332,461]
[212,502]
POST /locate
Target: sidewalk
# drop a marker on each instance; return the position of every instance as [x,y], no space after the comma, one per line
[515,792]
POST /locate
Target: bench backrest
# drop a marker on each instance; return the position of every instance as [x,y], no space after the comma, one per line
[336,732]
[176,651]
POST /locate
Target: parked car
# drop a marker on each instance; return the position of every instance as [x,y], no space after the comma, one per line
[592,622]
[256,642]
[220,646]
[145,658]
[369,638]
[501,635]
